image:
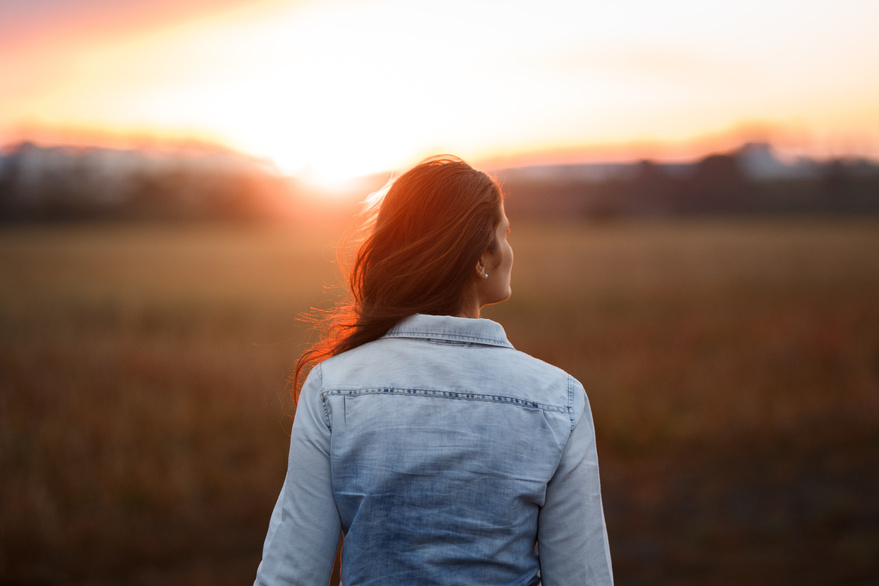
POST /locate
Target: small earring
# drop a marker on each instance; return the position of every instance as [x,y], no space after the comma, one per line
[484,275]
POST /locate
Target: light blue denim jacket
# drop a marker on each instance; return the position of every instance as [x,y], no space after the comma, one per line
[446,457]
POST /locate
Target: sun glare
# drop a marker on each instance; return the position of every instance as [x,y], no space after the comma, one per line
[331,106]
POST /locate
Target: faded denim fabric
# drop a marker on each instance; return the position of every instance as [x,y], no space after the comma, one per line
[447,457]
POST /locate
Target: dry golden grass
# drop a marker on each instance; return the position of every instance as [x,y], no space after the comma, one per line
[733,370]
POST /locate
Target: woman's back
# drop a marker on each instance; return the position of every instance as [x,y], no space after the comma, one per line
[445,446]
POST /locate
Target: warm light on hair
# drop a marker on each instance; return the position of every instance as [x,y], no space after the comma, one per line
[427,229]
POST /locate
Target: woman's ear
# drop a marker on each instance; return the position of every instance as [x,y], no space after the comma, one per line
[480,266]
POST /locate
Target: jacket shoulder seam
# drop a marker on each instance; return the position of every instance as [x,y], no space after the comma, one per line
[326,408]
[571,402]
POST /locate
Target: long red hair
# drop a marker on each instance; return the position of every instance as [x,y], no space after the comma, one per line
[425,232]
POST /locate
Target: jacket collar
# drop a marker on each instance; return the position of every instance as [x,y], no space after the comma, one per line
[450,328]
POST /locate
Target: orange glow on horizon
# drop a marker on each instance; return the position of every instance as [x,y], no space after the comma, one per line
[338,89]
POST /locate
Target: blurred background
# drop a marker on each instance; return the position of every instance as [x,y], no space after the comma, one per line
[693,189]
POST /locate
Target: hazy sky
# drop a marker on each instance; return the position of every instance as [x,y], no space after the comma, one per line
[345,86]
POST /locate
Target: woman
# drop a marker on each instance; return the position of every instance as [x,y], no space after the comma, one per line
[442,454]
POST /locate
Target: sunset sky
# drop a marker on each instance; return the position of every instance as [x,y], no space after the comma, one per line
[344,87]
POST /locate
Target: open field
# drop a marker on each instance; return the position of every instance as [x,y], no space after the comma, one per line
[732,367]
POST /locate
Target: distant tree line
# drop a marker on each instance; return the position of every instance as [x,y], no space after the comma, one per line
[716,185]
[39,184]
[78,184]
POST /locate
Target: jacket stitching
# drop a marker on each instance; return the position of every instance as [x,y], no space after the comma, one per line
[320,374]
[447,395]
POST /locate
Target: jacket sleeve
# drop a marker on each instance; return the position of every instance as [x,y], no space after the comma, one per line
[304,529]
[572,537]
